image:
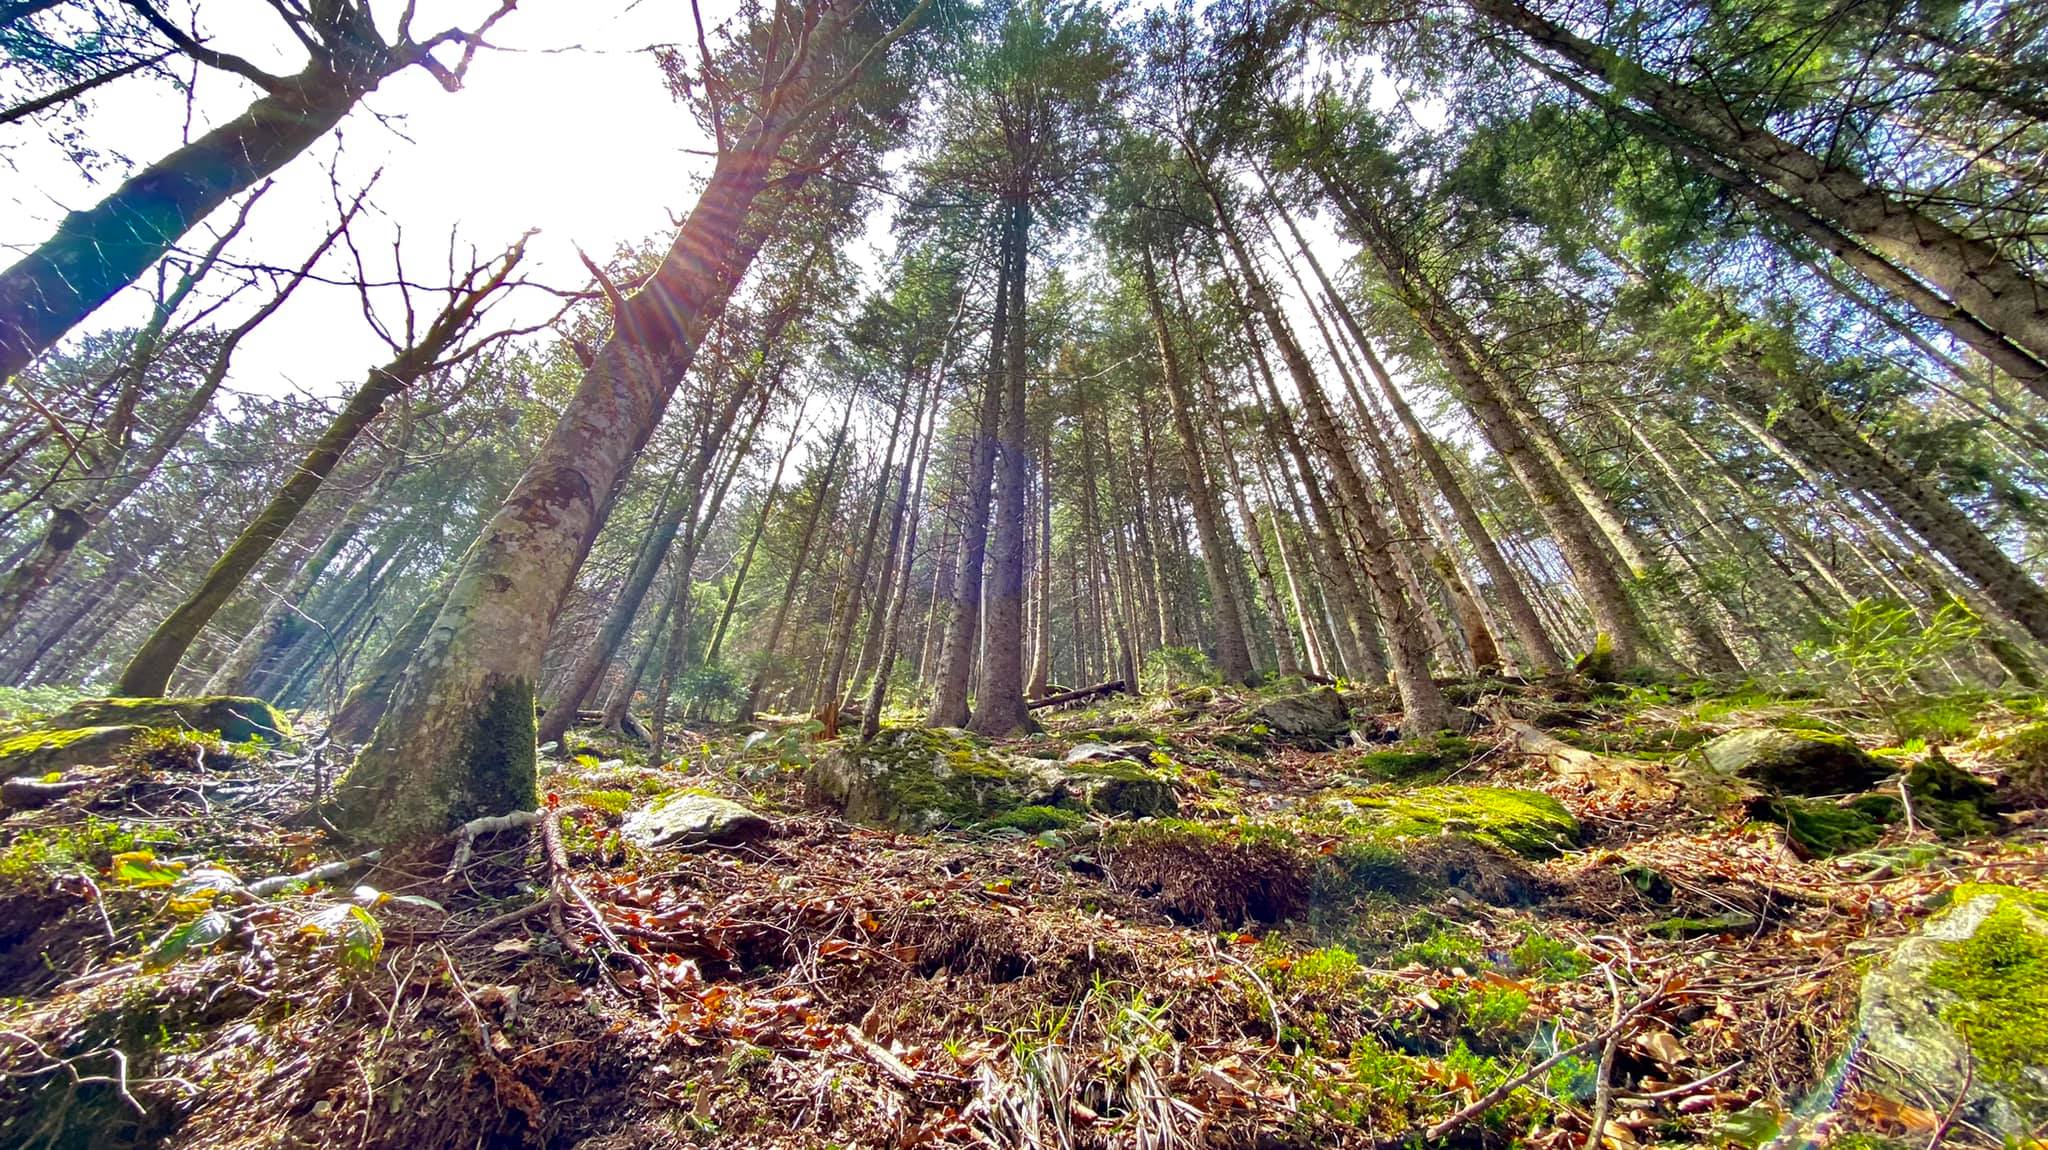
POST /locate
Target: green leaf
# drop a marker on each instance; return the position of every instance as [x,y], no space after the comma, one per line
[141,869]
[199,934]
[362,939]
[418,900]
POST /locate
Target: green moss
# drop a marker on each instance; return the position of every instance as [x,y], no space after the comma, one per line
[610,802]
[1525,822]
[498,770]
[1412,757]
[1445,948]
[1038,819]
[172,749]
[2000,978]
[235,718]
[1549,958]
[1952,801]
[1824,830]
[1122,770]
[40,752]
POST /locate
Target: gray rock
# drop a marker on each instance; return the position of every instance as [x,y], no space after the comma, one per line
[1318,718]
[1794,762]
[1105,752]
[1912,1052]
[923,779]
[686,819]
[34,753]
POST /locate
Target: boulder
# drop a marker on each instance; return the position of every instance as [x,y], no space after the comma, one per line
[1793,762]
[1965,1002]
[1316,718]
[235,718]
[41,752]
[1527,823]
[689,819]
[919,779]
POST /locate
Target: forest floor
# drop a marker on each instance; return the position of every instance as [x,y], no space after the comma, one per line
[1246,973]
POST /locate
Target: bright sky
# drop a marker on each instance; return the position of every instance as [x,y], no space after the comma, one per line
[569,130]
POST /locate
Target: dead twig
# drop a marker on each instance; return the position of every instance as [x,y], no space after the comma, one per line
[1493,1097]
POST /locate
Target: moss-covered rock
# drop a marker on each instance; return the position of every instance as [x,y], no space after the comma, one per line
[1952,801]
[1823,830]
[1965,1004]
[1793,762]
[1316,718]
[1528,823]
[2023,754]
[40,752]
[921,779]
[235,718]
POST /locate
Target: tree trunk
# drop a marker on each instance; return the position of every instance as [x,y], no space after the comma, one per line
[1614,613]
[830,697]
[149,672]
[1972,272]
[102,249]
[267,641]
[1423,707]
[739,578]
[963,622]
[796,569]
[661,535]
[1233,660]
[999,705]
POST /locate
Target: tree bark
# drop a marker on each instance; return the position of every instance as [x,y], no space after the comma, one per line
[149,672]
[100,250]
[1232,659]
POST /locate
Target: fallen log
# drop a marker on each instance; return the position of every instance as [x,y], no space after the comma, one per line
[1631,776]
[1074,696]
[23,794]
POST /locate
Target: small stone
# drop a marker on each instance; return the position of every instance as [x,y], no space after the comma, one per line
[687,819]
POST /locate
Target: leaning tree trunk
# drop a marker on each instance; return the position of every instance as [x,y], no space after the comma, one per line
[1971,272]
[1423,707]
[272,634]
[149,672]
[458,739]
[796,570]
[1233,660]
[830,696]
[1614,613]
[102,249]
[661,534]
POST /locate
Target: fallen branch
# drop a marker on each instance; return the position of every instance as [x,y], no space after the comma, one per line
[1634,776]
[1077,695]
[891,1065]
[265,887]
[24,794]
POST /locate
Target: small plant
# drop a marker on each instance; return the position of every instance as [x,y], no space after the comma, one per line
[1878,648]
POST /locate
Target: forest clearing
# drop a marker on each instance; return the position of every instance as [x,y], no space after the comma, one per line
[1267,573]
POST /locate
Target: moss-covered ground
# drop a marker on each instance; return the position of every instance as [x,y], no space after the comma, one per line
[1318,947]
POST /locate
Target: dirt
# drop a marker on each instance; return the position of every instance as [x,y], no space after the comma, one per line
[837,985]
